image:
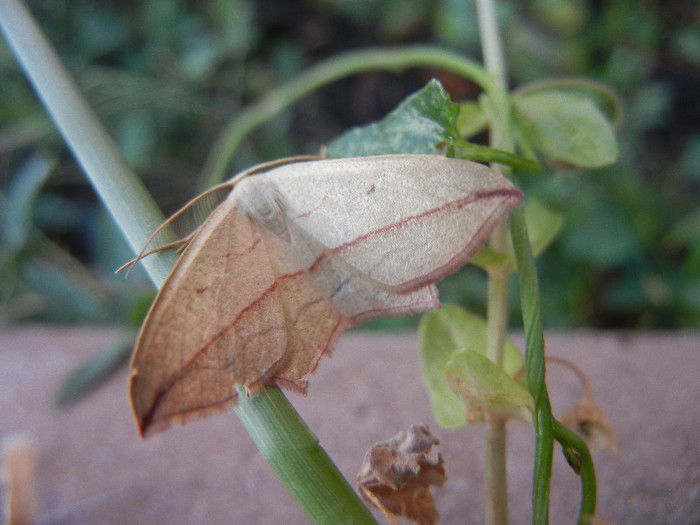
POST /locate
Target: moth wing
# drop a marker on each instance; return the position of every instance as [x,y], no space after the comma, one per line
[404,221]
[313,322]
[251,305]
[184,364]
[354,294]
[238,309]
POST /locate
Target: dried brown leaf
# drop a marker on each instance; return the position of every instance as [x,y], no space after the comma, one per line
[397,474]
[589,421]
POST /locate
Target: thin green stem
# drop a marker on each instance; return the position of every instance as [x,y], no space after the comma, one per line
[495,471]
[477,153]
[324,73]
[319,486]
[495,436]
[535,366]
[500,137]
[491,40]
[570,440]
[546,427]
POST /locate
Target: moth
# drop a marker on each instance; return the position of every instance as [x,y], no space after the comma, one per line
[292,257]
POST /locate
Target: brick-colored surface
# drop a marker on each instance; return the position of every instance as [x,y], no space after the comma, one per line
[93,468]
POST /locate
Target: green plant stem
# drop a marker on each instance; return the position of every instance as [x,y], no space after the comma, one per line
[465,150]
[500,137]
[324,73]
[534,366]
[495,471]
[495,437]
[92,146]
[491,40]
[547,428]
[287,448]
[569,439]
[137,216]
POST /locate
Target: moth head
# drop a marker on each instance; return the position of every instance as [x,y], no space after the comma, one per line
[261,200]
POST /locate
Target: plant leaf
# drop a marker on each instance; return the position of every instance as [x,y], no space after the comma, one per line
[397,475]
[489,258]
[18,205]
[485,388]
[94,372]
[566,127]
[425,122]
[471,120]
[441,332]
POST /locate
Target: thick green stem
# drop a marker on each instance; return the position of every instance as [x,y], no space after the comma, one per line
[121,191]
[287,444]
[307,471]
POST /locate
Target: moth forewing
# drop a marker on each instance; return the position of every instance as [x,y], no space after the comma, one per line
[184,365]
[401,220]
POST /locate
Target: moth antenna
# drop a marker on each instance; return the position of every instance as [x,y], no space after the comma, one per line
[180,243]
[267,166]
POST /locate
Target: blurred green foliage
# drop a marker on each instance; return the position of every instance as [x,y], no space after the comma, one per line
[166,76]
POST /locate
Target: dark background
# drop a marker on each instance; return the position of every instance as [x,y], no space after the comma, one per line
[167,76]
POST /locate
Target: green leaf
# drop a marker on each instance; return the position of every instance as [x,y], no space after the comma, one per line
[685,235]
[488,259]
[94,372]
[686,230]
[566,127]
[425,122]
[18,206]
[471,120]
[441,332]
[485,388]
